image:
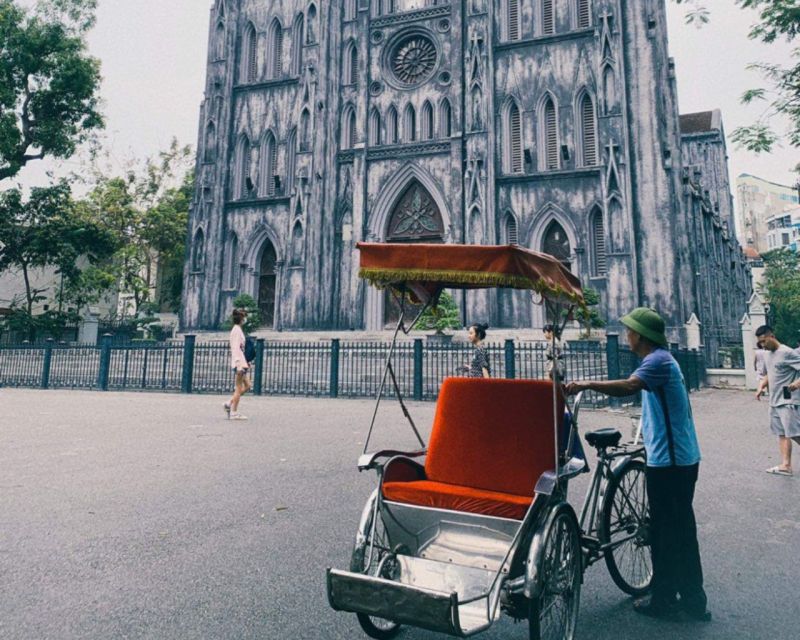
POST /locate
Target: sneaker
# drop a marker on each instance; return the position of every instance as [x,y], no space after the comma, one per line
[653,609]
[227,408]
[238,416]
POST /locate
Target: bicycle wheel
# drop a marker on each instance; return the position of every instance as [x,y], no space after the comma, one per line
[553,613]
[625,524]
[360,562]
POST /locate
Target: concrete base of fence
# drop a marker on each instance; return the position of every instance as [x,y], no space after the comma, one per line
[726,378]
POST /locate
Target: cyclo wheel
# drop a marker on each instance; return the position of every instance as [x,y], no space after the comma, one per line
[378,628]
[553,612]
[626,514]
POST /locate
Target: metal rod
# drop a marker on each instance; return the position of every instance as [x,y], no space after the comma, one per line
[383,380]
[403,406]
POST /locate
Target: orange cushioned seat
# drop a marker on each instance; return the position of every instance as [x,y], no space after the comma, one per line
[491,441]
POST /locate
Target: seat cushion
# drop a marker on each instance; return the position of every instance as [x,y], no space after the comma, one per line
[439,495]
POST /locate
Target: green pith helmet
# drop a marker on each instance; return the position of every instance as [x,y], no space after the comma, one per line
[647,323]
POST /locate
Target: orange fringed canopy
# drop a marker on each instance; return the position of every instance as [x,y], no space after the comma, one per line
[426,269]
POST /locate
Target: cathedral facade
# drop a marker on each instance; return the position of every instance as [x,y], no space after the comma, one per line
[551,124]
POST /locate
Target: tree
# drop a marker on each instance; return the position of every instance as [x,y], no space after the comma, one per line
[248,304]
[47,230]
[49,84]
[587,316]
[441,317]
[781,290]
[777,19]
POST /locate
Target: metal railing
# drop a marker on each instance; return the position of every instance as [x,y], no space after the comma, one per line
[333,369]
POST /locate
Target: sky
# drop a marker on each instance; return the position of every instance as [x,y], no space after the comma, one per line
[153,56]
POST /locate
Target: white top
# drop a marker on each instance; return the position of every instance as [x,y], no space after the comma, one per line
[237,348]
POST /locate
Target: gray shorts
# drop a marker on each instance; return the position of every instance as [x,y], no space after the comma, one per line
[785,420]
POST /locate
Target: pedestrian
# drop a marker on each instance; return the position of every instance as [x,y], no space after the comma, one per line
[673,458]
[783,380]
[241,368]
[553,353]
[479,366]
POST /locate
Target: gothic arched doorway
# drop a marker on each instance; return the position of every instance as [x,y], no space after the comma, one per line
[266,284]
[415,218]
[555,242]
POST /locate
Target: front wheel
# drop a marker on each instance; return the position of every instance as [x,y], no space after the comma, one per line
[625,526]
[553,613]
[381,566]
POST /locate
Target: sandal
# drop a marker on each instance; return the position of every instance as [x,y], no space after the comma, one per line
[778,471]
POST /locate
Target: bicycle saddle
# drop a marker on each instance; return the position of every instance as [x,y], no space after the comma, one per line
[603,438]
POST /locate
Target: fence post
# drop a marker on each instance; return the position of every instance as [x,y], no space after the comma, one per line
[48,357]
[417,368]
[188,363]
[612,364]
[511,371]
[335,347]
[105,362]
[258,383]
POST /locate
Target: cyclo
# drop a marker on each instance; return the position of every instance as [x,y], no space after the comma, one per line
[483,526]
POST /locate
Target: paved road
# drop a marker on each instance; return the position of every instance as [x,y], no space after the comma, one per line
[150,516]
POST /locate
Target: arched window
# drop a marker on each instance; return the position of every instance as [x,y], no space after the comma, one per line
[599,254]
[199,251]
[476,102]
[311,30]
[276,49]
[351,64]
[556,243]
[609,89]
[550,135]
[475,226]
[584,14]
[427,121]
[269,166]
[548,17]
[297,244]
[445,119]
[305,130]
[210,154]
[298,41]
[588,132]
[392,128]
[233,262]
[291,160]
[616,226]
[512,20]
[349,128]
[241,169]
[219,42]
[374,127]
[349,9]
[511,234]
[410,124]
[250,56]
[514,140]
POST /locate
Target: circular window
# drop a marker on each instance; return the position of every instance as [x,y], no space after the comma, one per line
[377,37]
[412,59]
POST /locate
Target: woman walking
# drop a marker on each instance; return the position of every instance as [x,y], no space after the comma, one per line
[241,367]
[479,367]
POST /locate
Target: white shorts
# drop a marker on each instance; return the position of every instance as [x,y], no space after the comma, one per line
[785,420]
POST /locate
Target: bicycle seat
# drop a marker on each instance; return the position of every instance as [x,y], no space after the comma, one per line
[603,438]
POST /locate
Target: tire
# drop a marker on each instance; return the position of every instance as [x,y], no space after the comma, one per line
[378,628]
[553,612]
[626,512]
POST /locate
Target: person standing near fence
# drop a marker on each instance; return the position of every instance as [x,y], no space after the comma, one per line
[783,380]
[553,353]
[241,368]
[479,366]
[673,459]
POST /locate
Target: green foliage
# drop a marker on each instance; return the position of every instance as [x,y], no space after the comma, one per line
[443,316]
[588,317]
[49,84]
[249,304]
[50,324]
[781,289]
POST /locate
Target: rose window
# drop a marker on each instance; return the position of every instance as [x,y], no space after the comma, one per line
[413,59]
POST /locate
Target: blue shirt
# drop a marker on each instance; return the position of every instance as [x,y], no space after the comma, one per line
[667,423]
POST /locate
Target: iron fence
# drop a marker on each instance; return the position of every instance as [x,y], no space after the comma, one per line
[336,368]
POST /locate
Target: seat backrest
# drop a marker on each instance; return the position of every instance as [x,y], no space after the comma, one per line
[493,434]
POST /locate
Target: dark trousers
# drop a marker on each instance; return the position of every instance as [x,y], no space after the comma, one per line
[676,556]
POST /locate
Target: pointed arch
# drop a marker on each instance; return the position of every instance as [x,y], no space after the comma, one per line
[510,228]
[512,20]
[476,102]
[298,42]
[232,262]
[475,225]
[291,160]
[275,62]
[583,12]
[269,165]
[219,41]
[311,24]
[409,123]
[549,139]
[586,129]
[374,127]
[241,168]
[199,251]
[350,64]
[609,89]
[349,127]
[617,233]
[210,151]
[298,245]
[556,243]
[426,124]
[445,119]
[305,130]
[392,126]
[513,137]
[250,54]
[598,237]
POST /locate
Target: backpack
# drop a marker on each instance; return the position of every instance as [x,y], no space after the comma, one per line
[250,349]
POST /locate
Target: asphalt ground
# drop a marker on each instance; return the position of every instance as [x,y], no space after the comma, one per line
[151,516]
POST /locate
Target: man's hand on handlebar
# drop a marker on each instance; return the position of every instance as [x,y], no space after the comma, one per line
[574,388]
